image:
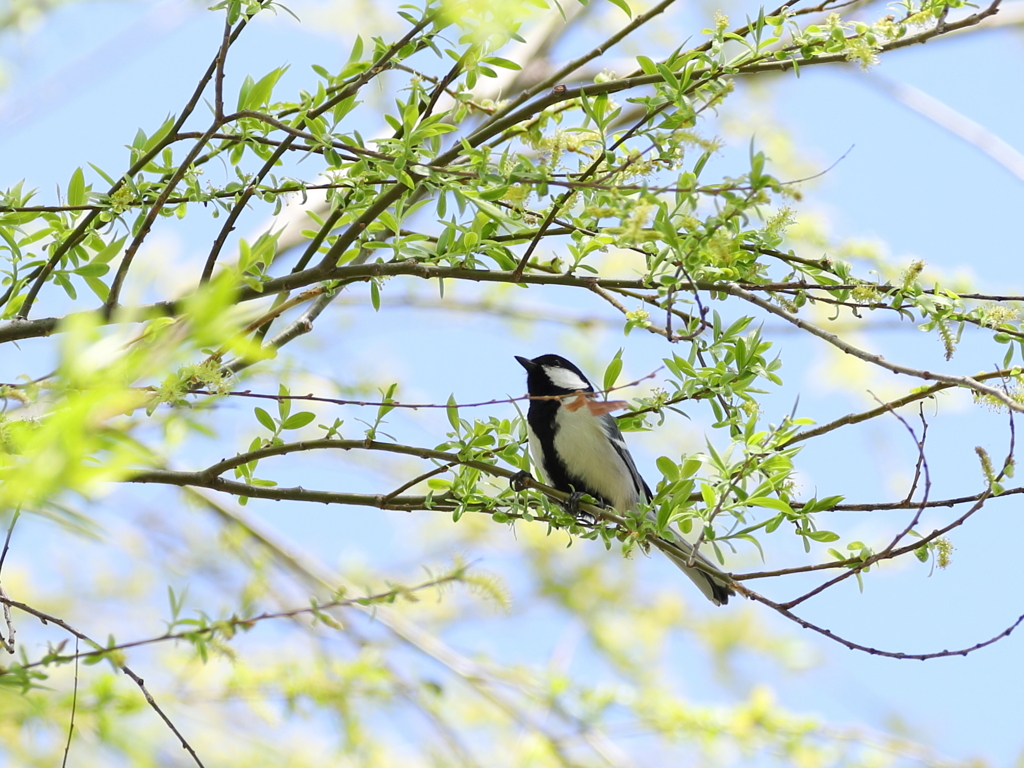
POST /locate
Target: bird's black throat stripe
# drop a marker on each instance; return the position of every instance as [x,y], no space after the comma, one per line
[542,418]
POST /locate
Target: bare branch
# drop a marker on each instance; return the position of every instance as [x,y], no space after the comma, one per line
[46,618]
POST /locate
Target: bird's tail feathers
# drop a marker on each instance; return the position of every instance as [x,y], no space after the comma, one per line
[715,585]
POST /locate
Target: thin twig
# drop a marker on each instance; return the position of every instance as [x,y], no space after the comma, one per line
[74,706]
[7,539]
[878,651]
[218,81]
[242,623]
[8,642]
[417,406]
[967,382]
[22,329]
[46,618]
[479,677]
[40,275]
[921,461]
[887,553]
[419,479]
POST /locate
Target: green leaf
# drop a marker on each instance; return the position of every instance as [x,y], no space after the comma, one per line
[98,287]
[702,162]
[264,418]
[765,501]
[99,170]
[453,413]
[244,255]
[434,129]
[822,536]
[160,135]
[92,269]
[284,403]
[259,94]
[243,95]
[817,505]
[14,305]
[298,420]
[689,468]
[61,279]
[757,167]
[669,76]
[500,62]
[664,513]
[263,250]
[708,494]
[109,251]
[375,295]
[357,50]
[668,468]
[385,407]
[76,188]
[611,373]
[495,193]
[648,66]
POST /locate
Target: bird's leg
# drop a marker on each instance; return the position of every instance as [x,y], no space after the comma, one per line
[520,481]
[572,506]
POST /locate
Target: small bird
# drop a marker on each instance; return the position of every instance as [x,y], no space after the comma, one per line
[577,451]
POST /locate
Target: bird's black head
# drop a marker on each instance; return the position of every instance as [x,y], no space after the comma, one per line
[553,375]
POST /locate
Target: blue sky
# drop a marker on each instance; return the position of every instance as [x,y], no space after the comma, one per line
[83,81]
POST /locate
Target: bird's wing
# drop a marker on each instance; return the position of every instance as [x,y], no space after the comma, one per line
[611,429]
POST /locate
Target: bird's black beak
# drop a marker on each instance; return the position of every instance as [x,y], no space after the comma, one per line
[529,365]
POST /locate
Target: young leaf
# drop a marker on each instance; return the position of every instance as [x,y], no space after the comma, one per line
[611,373]
[243,95]
[823,536]
[264,418]
[690,467]
[284,404]
[76,188]
[259,94]
[109,251]
[453,413]
[771,503]
[668,468]
[298,420]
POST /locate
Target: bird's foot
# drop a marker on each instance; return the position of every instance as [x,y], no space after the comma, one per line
[520,481]
[572,506]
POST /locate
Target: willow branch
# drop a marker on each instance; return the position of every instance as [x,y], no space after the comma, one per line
[967,382]
[235,622]
[878,651]
[46,618]
[481,678]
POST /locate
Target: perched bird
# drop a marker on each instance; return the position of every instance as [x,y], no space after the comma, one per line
[577,451]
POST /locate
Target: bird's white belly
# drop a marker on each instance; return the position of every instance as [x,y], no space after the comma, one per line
[584,448]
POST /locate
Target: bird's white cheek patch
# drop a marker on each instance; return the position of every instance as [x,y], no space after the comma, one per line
[565,379]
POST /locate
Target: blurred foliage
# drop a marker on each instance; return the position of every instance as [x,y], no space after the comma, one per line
[493,165]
